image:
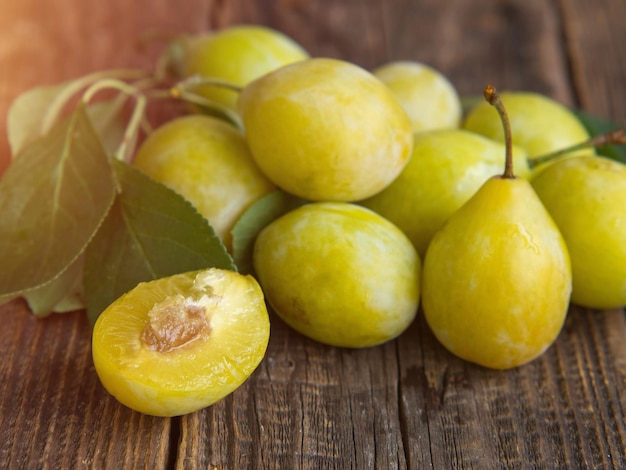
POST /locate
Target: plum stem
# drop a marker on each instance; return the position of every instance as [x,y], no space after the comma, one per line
[134,123]
[198,80]
[207,105]
[493,98]
[614,137]
[67,93]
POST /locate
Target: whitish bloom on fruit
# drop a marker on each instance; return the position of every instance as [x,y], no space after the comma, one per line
[326,130]
[339,273]
[497,277]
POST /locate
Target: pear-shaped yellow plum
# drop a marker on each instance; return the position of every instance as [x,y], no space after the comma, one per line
[497,277]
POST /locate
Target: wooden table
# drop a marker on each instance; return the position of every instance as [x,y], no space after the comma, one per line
[406,404]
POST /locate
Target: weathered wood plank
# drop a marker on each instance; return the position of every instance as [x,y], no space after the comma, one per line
[596,35]
[406,404]
[307,406]
[563,410]
[53,411]
[513,44]
[450,414]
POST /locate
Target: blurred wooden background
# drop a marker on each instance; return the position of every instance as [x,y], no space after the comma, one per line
[406,404]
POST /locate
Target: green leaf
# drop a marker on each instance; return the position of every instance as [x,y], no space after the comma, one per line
[53,198]
[72,301]
[253,220]
[63,294]
[27,115]
[150,232]
[598,126]
[109,121]
[33,113]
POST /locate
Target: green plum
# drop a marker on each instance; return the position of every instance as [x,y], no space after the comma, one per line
[237,55]
[585,196]
[539,124]
[428,97]
[339,274]
[326,130]
[208,162]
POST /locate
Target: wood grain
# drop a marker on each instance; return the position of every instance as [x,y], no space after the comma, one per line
[53,411]
[596,36]
[406,404]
